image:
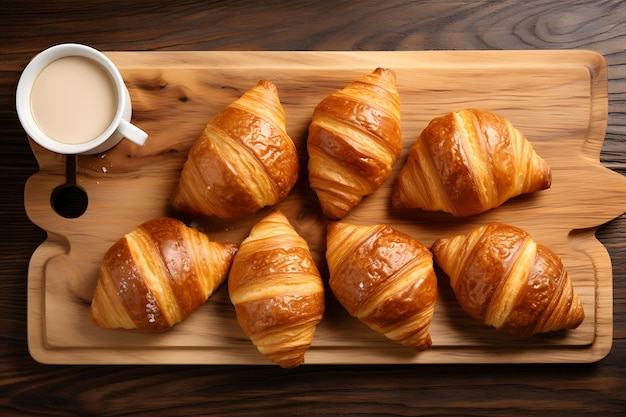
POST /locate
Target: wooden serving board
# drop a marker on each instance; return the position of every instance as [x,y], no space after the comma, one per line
[557,98]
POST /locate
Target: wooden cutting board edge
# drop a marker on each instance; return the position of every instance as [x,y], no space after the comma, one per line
[600,347]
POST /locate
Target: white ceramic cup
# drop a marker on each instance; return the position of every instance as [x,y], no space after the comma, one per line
[119,126]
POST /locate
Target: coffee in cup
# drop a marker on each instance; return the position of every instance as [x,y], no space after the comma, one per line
[71,99]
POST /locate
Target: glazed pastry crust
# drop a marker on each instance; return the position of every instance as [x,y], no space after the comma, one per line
[385,278]
[503,278]
[244,159]
[469,162]
[277,291]
[354,140]
[157,275]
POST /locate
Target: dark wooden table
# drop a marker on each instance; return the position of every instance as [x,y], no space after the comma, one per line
[28,388]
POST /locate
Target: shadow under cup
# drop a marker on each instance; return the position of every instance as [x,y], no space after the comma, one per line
[69,200]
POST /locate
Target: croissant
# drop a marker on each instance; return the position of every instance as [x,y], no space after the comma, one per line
[277,291]
[385,278]
[354,140]
[469,162]
[243,161]
[504,279]
[157,275]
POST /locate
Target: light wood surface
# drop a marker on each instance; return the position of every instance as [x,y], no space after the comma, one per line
[29,388]
[558,99]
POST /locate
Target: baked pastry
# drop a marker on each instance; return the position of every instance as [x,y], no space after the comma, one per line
[243,161]
[277,290]
[157,275]
[384,278]
[468,162]
[354,140]
[504,279]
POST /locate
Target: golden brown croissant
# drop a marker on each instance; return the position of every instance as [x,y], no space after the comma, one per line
[502,278]
[354,140]
[157,275]
[243,161]
[468,162]
[385,278]
[277,290]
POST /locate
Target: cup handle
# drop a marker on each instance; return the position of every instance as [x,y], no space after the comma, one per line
[132,132]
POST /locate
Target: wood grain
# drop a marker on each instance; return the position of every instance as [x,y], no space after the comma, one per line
[558,100]
[30,389]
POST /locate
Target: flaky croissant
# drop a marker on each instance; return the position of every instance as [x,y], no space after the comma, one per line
[468,162]
[504,279]
[157,275]
[277,290]
[354,140]
[243,161]
[385,278]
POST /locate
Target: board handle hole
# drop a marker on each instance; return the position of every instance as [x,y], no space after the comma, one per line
[69,201]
